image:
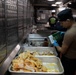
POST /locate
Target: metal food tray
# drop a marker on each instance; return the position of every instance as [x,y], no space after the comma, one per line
[35,39]
[35,42]
[46,60]
[41,50]
[35,36]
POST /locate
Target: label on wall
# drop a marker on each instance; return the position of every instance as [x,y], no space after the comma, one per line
[42,16]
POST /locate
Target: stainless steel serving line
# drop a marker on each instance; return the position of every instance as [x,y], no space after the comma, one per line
[7,64]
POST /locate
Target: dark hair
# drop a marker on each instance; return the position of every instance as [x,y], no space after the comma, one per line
[65,14]
[45,39]
[53,13]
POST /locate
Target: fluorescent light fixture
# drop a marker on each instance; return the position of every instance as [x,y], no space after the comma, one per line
[61,8]
[74,15]
[50,0]
[53,5]
[58,2]
[70,3]
[53,11]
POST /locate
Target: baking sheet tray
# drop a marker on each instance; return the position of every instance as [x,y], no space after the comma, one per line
[46,60]
[43,51]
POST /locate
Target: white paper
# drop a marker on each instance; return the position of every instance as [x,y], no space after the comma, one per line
[42,16]
[51,39]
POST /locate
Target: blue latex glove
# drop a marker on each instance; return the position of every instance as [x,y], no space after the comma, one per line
[55,43]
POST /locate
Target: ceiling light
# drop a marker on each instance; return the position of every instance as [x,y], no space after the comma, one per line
[53,11]
[62,8]
[70,3]
[58,2]
[53,5]
[50,0]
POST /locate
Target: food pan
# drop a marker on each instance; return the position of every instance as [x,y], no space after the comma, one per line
[35,36]
[45,61]
[35,40]
[42,51]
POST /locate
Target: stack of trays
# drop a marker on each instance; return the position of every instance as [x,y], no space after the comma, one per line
[51,62]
